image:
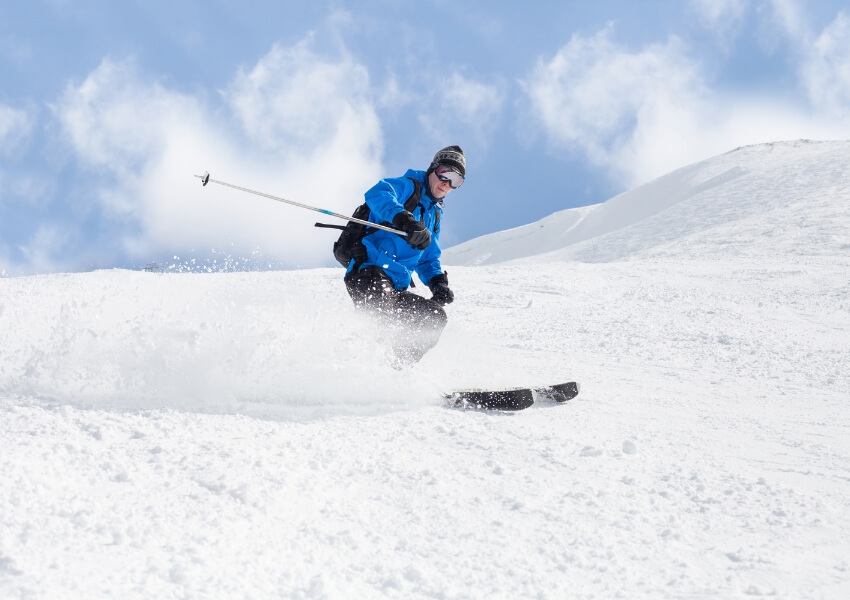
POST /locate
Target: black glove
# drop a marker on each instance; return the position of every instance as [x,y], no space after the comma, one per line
[439,285]
[418,235]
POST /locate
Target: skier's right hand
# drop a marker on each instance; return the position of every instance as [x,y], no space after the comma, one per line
[418,235]
[439,286]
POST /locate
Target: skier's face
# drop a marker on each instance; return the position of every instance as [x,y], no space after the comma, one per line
[441,179]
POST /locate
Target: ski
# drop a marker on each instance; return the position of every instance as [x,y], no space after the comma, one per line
[512,399]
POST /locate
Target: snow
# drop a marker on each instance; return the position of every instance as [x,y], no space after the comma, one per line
[238,435]
[784,190]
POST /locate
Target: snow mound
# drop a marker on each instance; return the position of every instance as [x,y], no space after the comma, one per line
[786,194]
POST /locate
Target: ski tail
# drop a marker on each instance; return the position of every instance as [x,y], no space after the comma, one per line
[513,399]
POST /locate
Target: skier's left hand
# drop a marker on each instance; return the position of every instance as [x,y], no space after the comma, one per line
[439,285]
[418,235]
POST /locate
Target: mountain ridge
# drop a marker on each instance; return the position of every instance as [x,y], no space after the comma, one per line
[725,191]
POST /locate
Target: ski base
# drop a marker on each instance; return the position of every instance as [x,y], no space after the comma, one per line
[513,399]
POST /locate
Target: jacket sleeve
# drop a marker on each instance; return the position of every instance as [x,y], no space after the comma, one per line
[386,198]
[429,263]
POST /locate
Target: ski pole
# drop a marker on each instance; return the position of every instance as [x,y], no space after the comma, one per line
[205,179]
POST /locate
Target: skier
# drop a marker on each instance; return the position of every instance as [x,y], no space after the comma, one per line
[379,283]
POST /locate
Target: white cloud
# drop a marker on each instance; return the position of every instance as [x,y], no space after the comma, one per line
[15,128]
[600,99]
[393,95]
[720,16]
[823,60]
[297,125]
[117,124]
[789,17]
[640,114]
[462,108]
[292,98]
[826,73]
[592,88]
[33,190]
[471,101]
[39,251]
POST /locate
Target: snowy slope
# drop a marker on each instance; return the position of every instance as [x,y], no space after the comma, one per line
[237,435]
[781,190]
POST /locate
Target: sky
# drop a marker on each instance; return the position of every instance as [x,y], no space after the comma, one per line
[108,109]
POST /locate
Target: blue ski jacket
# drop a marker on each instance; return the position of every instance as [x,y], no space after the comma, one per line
[390,252]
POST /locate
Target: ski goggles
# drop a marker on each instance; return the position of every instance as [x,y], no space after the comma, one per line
[445,173]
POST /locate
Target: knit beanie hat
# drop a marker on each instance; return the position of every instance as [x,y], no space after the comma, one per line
[451,156]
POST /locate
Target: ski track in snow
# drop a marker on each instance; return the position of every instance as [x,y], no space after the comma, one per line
[236,435]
